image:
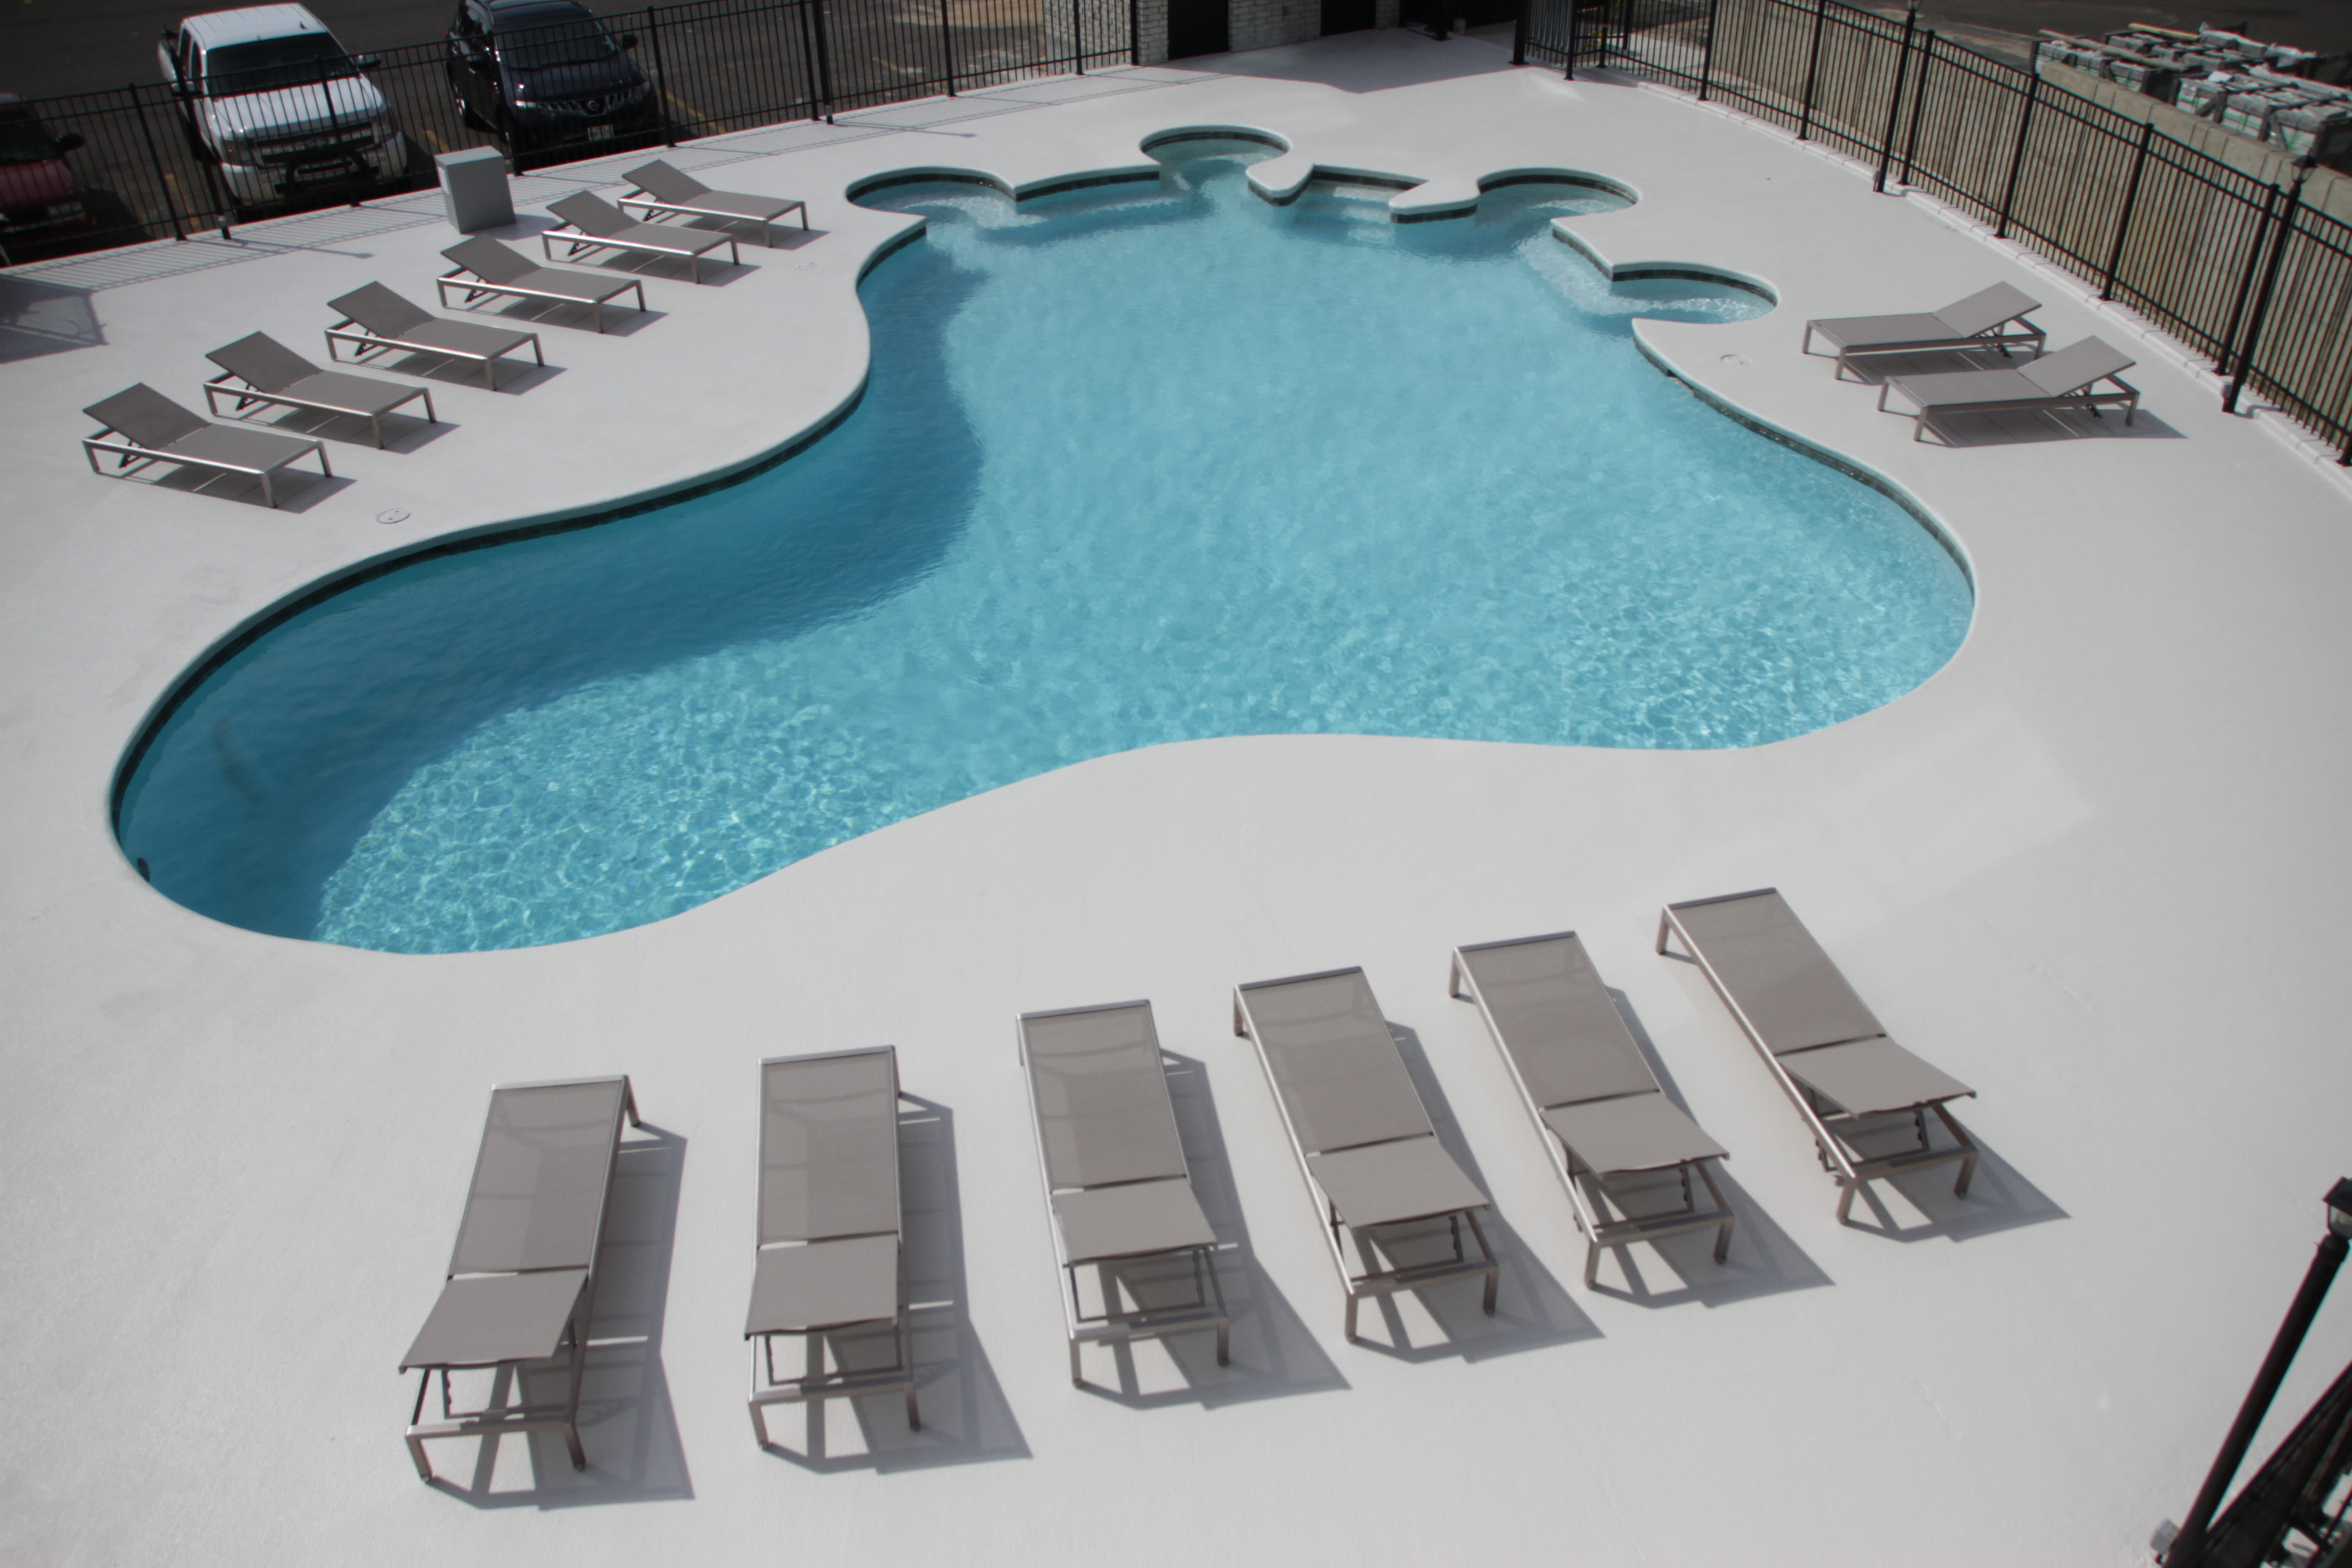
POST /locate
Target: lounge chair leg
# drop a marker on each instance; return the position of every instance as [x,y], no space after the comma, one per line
[1078,1380]
[1723,1241]
[1591,1265]
[1494,1286]
[1968,1174]
[572,1441]
[1350,1330]
[760,1424]
[424,1465]
[914,1415]
[1225,1344]
[1846,1200]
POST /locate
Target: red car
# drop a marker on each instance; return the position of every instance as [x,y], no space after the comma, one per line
[41,202]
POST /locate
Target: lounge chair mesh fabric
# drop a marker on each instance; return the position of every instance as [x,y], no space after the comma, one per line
[1954,325]
[1116,1177]
[522,1277]
[277,375]
[829,1221]
[391,321]
[159,430]
[602,224]
[1834,1057]
[1585,1082]
[2068,378]
[673,190]
[505,271]
[1364,1142]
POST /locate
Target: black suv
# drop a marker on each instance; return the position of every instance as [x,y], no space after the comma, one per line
[541,73]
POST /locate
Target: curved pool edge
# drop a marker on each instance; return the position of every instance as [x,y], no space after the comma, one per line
[895,232]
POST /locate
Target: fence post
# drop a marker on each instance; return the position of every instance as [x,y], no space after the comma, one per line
[2270,281]
[1919,102]
[661,74]
[1574,21]
[947,40]
[1894,102]
[162,181]
[815,9]
[2123,218]
[1134,33]
[2017,157]
[1812,69]
[1706,54]
[2246,280]
[1518,32]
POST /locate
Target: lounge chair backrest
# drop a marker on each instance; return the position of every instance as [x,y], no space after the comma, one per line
[146,415]
[2076,366]
[380,311]
[263,361]
[488,260]
[1557,1022]
[1103,1111]
[538,1196]
[1777,972]
[1981,312]
[829,1146]
[592,214]
[664,183]
[1335,1064]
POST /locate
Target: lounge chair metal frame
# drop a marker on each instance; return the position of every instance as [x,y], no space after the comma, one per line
[131,457]
[1592,1199]
[368,345]
[2013,332]
[636,238]
[480,287]
[815,1384]
[572,1350]
[643,200]
[1111,1325]
[1833,1129]
[1373,1280]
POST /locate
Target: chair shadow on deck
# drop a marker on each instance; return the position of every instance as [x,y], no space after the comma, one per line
[1764,1260]
[1273,1355]
[626,1423]
[966,1418]
[1532,1310]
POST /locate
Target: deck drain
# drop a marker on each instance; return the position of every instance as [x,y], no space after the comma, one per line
[396,515]
[1735,359]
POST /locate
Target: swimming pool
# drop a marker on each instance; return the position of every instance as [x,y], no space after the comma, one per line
[1136,464]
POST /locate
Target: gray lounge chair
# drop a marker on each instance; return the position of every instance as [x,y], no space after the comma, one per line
[664,192]
[1117,1185]
[275,376]
[154,429]
[591,223]
[521,1289]
[495,270]
[829,1226]
[1596,1104]
[1830,1055]
[1370,1158]
[2061,381]
[1993,318]
[377,322]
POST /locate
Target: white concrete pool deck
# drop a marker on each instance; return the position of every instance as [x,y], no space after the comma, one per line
[2095,868]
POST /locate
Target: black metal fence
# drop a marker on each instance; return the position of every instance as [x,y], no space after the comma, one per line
[715,66]
[2235,267]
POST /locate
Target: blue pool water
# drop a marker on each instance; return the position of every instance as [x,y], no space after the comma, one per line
[1138,464]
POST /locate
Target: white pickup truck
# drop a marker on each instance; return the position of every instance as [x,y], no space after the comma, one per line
[273,101]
